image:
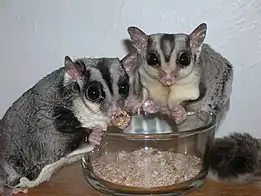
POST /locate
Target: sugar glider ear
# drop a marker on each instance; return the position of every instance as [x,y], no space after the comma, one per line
[72,68]
[131,61]
[138,37]
[197,36]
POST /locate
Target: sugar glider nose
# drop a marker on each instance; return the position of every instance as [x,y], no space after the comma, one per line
[168,79]
[114,108]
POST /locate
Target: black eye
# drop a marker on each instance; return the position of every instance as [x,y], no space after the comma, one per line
[152,59]
[124,88]
[94,92]
[184,59]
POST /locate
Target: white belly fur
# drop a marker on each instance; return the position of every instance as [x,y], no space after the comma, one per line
[49,170]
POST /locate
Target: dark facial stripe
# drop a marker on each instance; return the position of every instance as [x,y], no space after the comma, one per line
[124,86]
[167,43]
[188,42]
[105,72]
[151,49]
[149,44]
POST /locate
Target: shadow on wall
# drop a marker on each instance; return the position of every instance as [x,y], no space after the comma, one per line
[127,45]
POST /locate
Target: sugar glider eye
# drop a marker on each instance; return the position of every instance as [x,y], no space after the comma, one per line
[94,92]
[124,87]
[152,59]
[184,58]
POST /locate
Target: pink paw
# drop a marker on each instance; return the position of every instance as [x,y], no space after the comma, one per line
[96,135]
[12,192]
[133,105]
[19,191]
[151,106]
[178,113]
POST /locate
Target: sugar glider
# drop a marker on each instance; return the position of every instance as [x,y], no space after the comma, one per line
[58,120]
[180,71]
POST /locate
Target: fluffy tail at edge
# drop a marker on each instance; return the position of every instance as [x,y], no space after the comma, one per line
[236,158]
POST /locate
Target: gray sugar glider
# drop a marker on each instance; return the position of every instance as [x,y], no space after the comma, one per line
[179,71]
[234,158]
[58,120]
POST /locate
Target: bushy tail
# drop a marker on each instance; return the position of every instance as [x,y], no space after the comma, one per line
[235,158]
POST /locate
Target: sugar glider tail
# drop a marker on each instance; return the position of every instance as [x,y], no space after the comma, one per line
[236,158]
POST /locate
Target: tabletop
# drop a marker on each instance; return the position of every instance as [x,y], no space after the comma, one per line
[70,182]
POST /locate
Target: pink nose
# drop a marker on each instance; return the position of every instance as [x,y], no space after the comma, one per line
[113,109]
[168,79]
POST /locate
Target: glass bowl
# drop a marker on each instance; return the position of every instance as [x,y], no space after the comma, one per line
[153,156]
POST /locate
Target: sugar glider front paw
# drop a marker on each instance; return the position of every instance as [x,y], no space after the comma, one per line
[134,105]
[150,106]
[96,135]
[178,113]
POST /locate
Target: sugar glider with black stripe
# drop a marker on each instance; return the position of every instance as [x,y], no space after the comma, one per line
[180,70]
[58,120]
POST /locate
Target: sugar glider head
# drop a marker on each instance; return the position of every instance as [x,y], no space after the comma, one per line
[168,57]
[101,86]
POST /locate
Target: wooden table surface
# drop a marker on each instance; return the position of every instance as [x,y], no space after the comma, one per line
[70,182]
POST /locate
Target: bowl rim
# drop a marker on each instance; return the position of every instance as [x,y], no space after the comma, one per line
[212,124]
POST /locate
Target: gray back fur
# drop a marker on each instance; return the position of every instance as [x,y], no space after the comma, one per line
[216,83]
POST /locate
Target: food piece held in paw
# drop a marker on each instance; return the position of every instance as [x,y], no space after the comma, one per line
[150,106]
[121,120]
[235,158]
[178,113]
[146,168]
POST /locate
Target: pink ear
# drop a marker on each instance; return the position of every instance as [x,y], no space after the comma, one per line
[73,69]
[138,38]
[130,61]
[198,36]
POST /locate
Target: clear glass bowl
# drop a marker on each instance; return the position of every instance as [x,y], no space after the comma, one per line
[157,137]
